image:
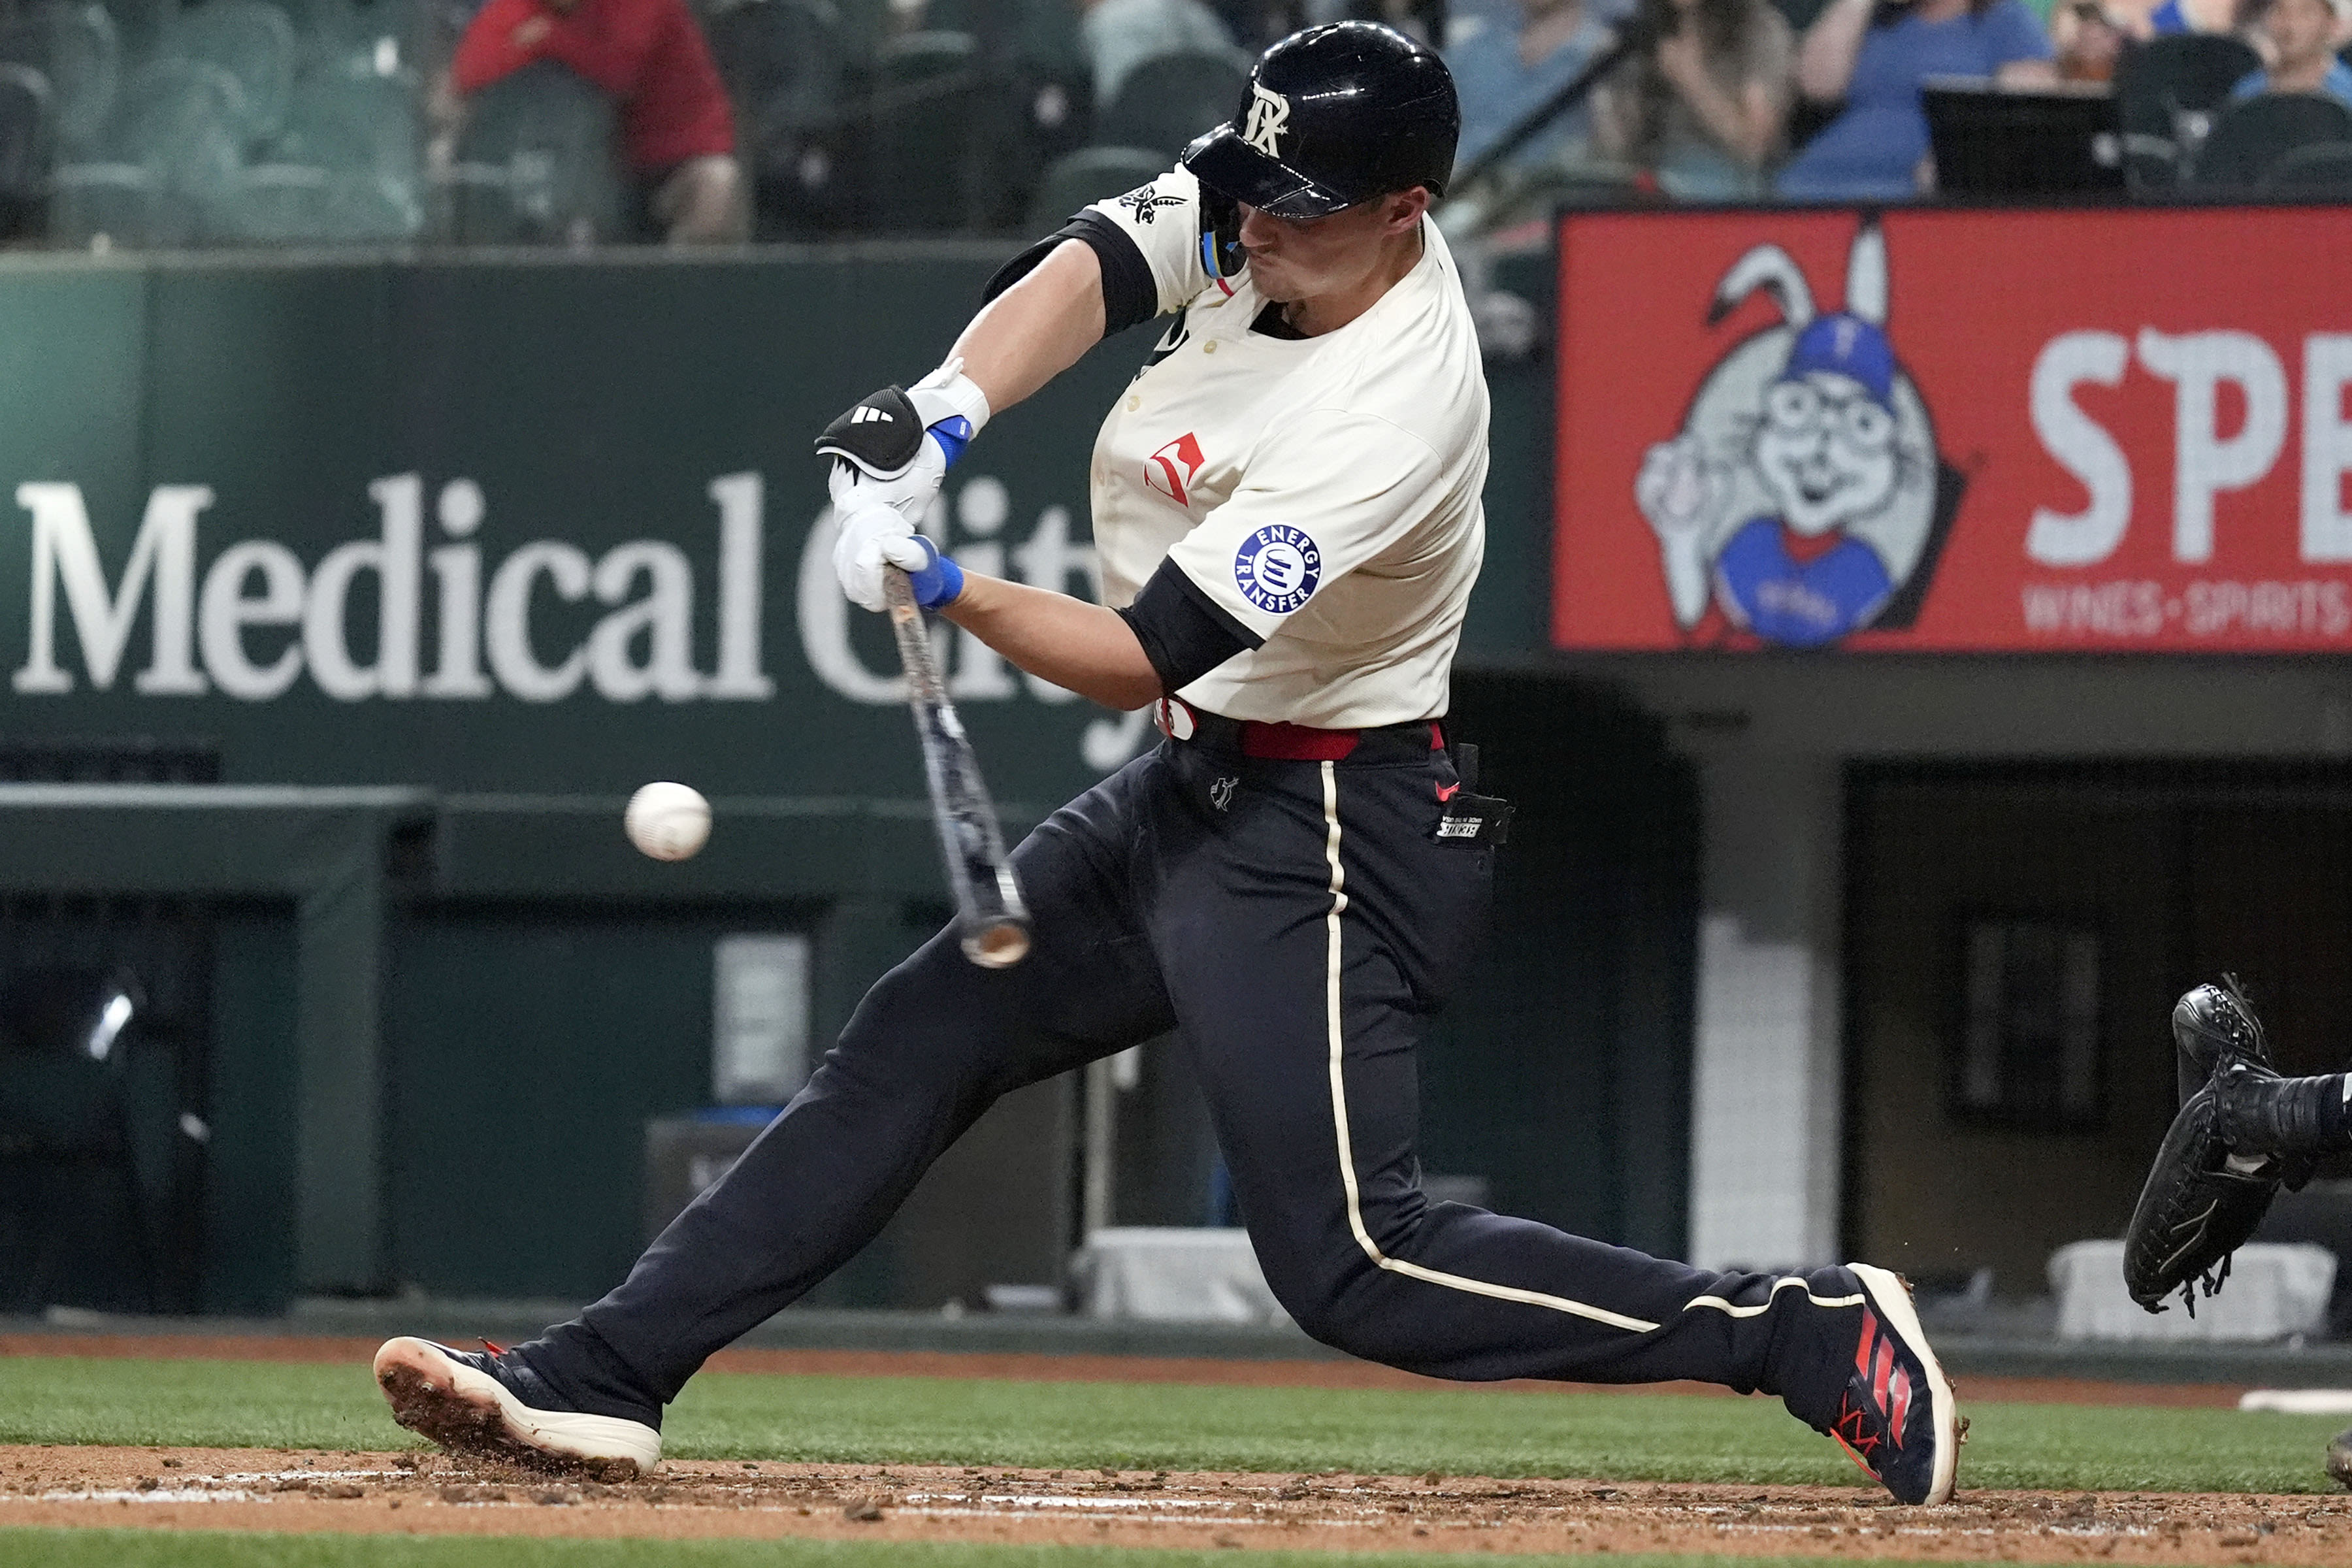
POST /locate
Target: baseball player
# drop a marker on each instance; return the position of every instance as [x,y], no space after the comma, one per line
[1286,505]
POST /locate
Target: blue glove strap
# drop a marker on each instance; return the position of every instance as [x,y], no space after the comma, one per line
[953,434]
[937,583]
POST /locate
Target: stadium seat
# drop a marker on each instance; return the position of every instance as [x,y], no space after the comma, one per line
[923,135]
[278,204]
[478,208]
[552,137]
[250,39]
[369,208]
[353,124]
[181,119]
[110,204]
[1089,174]
[360,37]
[786,66]
[27,143]
[1171,99]
[2251,137]
[2321,171]
[76,47]
[2168,91]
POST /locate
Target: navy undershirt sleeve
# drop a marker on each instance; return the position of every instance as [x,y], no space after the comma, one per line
[1130,296]
[1184,632]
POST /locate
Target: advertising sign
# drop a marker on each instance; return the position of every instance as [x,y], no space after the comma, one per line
[1955,431]
[545,527]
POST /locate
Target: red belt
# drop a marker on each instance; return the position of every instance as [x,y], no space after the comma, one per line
[1272,741]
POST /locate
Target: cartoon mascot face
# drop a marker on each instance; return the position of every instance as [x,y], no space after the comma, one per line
[1803,491]
[1825,447]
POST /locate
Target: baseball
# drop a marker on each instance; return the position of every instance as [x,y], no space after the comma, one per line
[667,821]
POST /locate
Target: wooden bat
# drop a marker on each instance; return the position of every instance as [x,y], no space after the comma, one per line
[991,921]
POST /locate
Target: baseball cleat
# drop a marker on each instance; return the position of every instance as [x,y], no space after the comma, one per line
[2339,1458]
[458,1399]
[1895,1415]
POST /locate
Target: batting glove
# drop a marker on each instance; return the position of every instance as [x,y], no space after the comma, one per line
[893,448]
[874,536]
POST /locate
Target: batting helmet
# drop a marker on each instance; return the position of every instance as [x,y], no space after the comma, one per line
[1334,115]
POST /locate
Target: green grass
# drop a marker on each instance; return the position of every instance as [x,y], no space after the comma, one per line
[1630,1436]
[223,1548]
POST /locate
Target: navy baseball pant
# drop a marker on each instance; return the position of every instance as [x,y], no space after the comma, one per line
[1296,923]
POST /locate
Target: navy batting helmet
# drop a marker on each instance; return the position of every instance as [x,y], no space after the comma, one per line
[1334,115]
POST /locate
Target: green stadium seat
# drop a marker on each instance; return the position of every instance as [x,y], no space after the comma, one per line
[1090,174]
[2253,135]
[785,63]
[276,204]
[180,118]
[553,137]
[27,144]
[106,205]
[353,124]
[1169,99]
[2168,91]
[76,47]
[2320,173]
[251,40]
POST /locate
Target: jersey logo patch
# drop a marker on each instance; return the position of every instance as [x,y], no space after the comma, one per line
[1174,466]
[1277,567]
[1146,203]
[1269,117]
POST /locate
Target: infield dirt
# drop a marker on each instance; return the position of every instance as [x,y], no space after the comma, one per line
[431,1494]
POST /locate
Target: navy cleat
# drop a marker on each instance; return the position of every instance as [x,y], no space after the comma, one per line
[1896,1415]
[483,1404]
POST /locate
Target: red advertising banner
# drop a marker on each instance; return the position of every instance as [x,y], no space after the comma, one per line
[2016,431]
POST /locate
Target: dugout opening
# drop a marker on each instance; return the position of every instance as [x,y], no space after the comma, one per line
[2015,936]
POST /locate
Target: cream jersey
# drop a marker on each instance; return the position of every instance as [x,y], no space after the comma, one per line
[1323,492]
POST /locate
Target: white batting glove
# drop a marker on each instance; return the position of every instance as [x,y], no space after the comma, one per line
[894,448]
[872,537]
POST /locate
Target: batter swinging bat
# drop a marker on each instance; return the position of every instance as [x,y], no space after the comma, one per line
[991,921]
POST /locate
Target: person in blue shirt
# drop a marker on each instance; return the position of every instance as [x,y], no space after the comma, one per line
[2177,16]
[1502,73]
[2302,36]
[1875,56]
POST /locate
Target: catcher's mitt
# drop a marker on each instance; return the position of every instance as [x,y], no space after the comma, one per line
[2199,1204]
[2202,1202]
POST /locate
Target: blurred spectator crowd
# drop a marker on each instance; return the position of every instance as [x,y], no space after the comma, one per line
[150,124]
[1795,100]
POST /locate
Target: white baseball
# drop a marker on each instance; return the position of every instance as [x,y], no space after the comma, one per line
[667,821]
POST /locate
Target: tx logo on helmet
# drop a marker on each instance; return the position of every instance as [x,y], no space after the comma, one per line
[1269,116]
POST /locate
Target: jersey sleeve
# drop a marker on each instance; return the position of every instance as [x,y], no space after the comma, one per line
[1148,241]
[1162,222]
[1331,491]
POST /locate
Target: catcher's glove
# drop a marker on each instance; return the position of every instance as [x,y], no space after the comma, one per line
[2202,1202]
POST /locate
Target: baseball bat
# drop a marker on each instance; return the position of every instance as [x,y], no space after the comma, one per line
[992,922]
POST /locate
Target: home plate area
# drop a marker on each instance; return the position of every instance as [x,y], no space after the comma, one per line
[432,1494]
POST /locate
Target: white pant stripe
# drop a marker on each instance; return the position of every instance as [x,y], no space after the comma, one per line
[1339,1110]
[1786,1282]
